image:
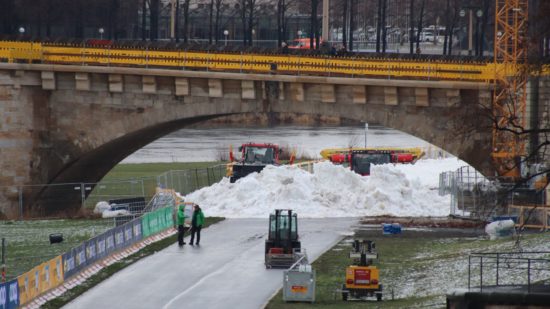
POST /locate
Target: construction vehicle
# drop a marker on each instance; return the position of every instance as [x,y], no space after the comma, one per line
[360,160]
[363,278]
[254,158]
[282,246]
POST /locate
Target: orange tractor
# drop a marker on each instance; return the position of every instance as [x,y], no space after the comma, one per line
[254,158]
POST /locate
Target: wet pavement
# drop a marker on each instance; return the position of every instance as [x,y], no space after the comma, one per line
[226,271]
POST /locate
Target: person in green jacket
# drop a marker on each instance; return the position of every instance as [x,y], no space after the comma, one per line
[181,225]
[196,224]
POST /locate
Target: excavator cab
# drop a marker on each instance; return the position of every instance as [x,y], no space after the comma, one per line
[282,244]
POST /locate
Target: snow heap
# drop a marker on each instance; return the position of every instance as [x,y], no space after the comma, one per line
[331,191]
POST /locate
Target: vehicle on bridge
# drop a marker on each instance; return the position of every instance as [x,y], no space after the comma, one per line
[282,246]
[254,158]
[360,160]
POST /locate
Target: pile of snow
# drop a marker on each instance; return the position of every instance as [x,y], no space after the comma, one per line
[101,206]
[332,191]
[107,211]
[501,228]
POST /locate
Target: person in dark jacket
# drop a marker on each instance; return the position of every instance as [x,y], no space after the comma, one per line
[181,225]
[196,224]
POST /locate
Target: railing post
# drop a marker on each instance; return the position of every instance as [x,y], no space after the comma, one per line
[528,275]
[469,270]
[498,259]
[481,274]
[196,179]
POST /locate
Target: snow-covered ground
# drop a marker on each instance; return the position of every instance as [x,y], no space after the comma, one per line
[332,191]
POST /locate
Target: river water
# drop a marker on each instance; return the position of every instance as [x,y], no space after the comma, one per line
[203,144]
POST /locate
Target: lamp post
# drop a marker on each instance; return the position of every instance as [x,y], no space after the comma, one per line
[21,30]
[225,33]
[299,34]
[101,31]
[253,36]
[462,13]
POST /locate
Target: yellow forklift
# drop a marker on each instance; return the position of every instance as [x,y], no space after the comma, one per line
[362,279]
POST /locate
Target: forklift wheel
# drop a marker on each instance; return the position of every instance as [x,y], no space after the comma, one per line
[344,294]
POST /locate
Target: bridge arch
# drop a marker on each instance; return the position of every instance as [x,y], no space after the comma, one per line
[87,119]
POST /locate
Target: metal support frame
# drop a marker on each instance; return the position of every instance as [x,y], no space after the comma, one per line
[510,95]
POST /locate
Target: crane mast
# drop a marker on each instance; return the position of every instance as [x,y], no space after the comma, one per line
[510,95]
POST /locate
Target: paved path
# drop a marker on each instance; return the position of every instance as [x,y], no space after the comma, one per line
[226,271]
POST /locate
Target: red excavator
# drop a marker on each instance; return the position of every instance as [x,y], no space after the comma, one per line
[254,158]
[360,160]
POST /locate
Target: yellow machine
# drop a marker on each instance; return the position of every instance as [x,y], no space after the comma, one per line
[362,280]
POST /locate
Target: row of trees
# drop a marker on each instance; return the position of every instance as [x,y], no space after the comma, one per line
[251,19]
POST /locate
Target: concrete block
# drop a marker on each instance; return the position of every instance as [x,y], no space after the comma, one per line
[215,88]
[182,86]
[116,83]
[297,92]
[48,80]
[247,90]
[453,96]
[82,81]
[327,93]
[359,94]
[281,91]
[149,84]
[390,96]
[422,97]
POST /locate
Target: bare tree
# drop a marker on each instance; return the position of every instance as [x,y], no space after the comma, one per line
[282,21]
[186,20]
[219,4]
[313,27]
[411,31]
[420,25]
[154,8]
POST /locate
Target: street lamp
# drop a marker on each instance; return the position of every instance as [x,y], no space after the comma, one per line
[479,14]
[299,34]
[21,30]
[101,31]
[226,33]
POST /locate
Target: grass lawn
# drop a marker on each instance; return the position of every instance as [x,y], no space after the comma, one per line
[420,266]
[145,170]
[28,242]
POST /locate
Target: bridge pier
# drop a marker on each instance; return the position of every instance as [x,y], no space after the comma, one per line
[64,124]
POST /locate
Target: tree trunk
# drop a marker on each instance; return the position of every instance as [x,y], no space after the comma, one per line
[345,24]
[79,20]
[379,25]
[484,21]
[143,20]
[49,11]
[313,24]
[411,31]
[113,19]
[154,20]
[384,30]
[243,20]
[447,26]
[177,22]
[186,21]
[217,23]
[352,11]
[419,26]
[210,21]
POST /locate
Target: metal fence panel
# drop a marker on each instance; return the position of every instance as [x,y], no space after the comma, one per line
[9,295]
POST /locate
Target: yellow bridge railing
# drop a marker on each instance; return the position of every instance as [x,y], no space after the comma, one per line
[52,53]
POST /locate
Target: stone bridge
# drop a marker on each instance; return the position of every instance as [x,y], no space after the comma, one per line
[63,123]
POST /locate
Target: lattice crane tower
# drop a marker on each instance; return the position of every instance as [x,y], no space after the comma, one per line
[510,95]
